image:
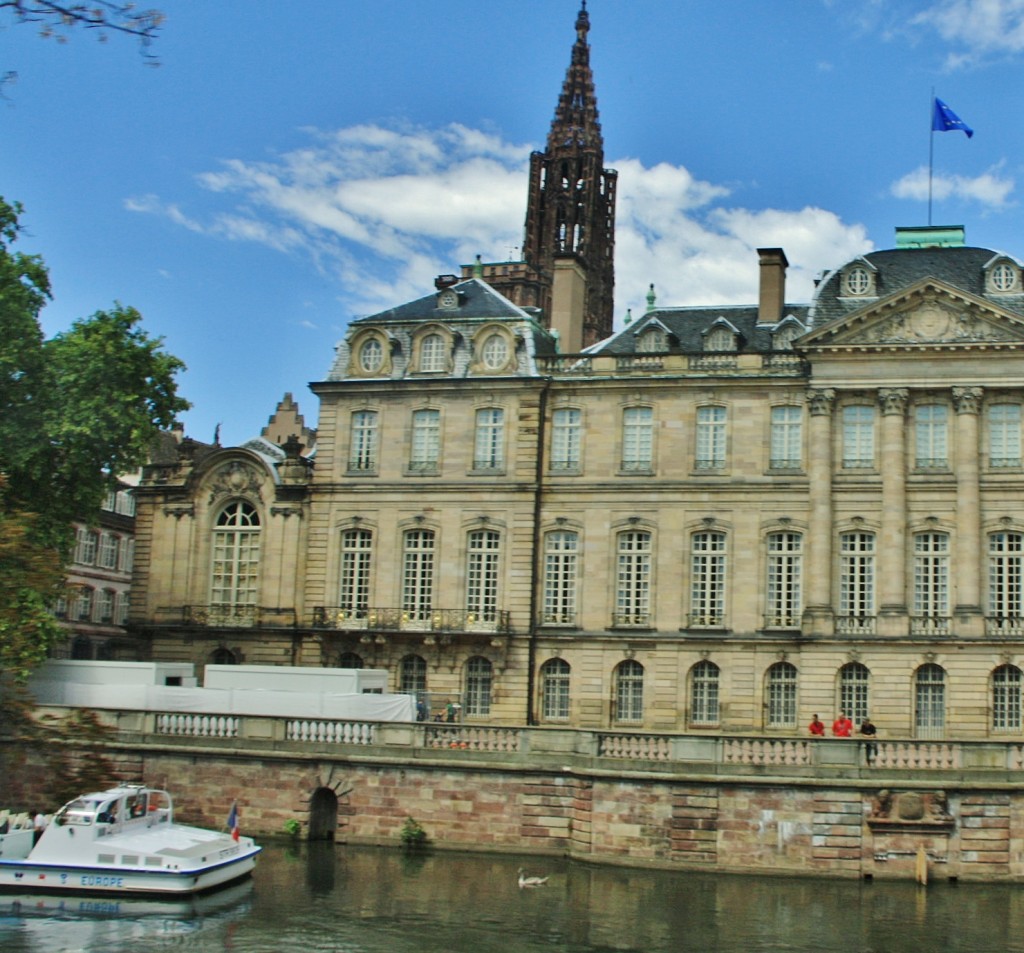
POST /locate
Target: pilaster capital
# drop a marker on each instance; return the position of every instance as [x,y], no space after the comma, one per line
[967,400]
[821,400]
[893,400]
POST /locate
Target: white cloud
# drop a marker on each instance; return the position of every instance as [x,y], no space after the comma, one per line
[977,29]
[383,210]
[990,189]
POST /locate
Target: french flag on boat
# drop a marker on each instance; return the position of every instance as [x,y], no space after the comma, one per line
[233,820]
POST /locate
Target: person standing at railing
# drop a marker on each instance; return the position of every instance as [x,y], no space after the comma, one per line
[842,727]
[817,727]
[868,729]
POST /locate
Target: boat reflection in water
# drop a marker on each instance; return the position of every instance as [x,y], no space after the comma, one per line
[96,922]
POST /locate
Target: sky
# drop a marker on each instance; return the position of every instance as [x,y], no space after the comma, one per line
[286,167]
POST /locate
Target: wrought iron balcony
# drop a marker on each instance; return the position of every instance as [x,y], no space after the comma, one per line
[228,616]
[347,619]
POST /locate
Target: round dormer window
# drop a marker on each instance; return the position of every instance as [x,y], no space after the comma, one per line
[858,281]
[1004,277]
[371,355]
[494,353]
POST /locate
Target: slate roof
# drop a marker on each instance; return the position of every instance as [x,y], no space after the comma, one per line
[477,300]
[963,267]
[687,328]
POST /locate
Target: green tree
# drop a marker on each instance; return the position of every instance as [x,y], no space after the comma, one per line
[76,411]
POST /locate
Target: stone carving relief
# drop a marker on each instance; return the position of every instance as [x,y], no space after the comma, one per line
[910,810]
[236,479]
[932,323]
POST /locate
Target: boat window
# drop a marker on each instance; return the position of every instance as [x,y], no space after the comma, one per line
[137,805]
[79,812]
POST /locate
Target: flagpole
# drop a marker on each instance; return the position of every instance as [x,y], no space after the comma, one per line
[931,151]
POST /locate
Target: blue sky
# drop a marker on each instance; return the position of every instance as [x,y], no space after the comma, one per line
[290,166]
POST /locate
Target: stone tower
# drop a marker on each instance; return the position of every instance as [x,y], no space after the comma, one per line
[570,213]
[567,268]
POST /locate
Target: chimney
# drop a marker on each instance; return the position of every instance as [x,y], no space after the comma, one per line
[446,281]
[772,295]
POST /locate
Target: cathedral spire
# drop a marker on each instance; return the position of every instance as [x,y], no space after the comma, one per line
[575,122]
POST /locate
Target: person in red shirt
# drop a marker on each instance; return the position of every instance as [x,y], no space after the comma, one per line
[817,726]
[842,727]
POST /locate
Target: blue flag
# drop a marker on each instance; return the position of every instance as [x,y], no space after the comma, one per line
[945,120]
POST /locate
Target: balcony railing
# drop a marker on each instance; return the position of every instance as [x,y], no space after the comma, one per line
[347,619]
[930,625]
[1008,625]
[782,620]
[231,617]
[855,625]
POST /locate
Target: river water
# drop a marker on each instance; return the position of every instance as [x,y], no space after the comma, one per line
[319,897]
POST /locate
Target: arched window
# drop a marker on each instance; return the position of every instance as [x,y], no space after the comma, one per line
[477,697]
[234,577]
[1006,698]
[785,580]
[561,549]
[930,701]
[223,656]
[412,675]
[652,341]
[350,660]
[354,587]
[432,356]
[554,690]
[81,649]
[704,694]
[720,339]
[781,689]
[853,691]
[629,691]
[418,575]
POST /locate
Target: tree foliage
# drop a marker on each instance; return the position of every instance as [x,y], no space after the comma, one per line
[56,19]
[76,410]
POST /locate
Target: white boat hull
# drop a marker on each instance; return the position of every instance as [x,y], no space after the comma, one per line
[37,875]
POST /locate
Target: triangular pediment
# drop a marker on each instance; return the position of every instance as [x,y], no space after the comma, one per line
[929,313]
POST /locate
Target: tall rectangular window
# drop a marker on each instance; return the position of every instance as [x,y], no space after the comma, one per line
[418,575]
[109,548]
[566,438]
[637,438]
[704,693]
[786,451]
[1004,435]
[856,581]
[554,686]
[489,441]
[121,608]
[782,695]
[86,543]
[931,581]
[354,585]
[633,579]
[710,438]
[858,436]
[426,441]
[707,579]
[482,575]
[785,569]
[105,605]
[629,691]
[930,437]
[1006,698]
[234,579]
[1005,577]
[363,449]
[560,554]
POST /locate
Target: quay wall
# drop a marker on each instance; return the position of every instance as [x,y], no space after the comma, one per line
[817,810]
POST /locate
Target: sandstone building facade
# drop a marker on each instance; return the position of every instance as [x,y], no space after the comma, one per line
[718,519]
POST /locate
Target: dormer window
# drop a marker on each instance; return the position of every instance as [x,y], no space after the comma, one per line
[448,300]
[432,354]
[857,282]
[720,339]
[494,353]
[371,355]
[652,340]
[783,339]
[1004,278]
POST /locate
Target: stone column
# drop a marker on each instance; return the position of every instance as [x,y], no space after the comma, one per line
[818,617]
[893,618]
[968,565]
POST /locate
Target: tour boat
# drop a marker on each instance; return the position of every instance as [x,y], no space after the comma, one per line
[123,841]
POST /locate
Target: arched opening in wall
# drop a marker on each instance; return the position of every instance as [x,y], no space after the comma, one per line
[223,656]
[323,814]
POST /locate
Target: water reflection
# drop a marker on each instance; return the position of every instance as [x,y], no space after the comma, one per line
[326,898]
